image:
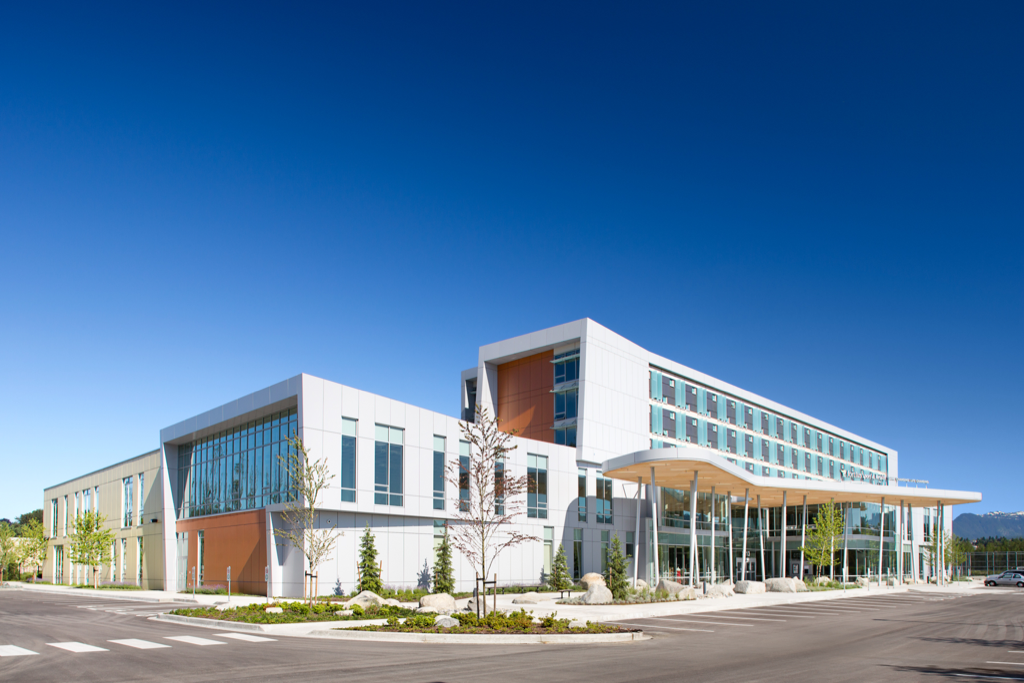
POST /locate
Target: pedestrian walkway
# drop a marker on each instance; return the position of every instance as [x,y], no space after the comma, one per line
[113,646]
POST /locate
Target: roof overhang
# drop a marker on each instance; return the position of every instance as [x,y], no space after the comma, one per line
[675,468]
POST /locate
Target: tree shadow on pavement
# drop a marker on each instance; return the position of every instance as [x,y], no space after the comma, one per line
[977,672]
[1005,644]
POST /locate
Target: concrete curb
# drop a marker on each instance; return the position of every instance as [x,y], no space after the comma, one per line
[301,628]
[99,594]
[484,639]
[719,604]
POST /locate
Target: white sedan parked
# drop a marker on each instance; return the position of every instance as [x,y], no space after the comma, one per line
[1010,578]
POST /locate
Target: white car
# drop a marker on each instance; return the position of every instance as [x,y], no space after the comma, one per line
[1010,578]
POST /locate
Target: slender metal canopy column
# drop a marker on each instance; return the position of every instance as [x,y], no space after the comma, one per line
[782,534]
[712,534]
[760,535]
[654,503]
[693,529]
[746,521]
[881,540]
[636,535]
[803,537]
[732,563]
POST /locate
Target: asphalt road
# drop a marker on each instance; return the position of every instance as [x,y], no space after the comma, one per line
[898,637]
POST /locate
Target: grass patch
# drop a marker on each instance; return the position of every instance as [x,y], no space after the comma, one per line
[293,613]
[520,622]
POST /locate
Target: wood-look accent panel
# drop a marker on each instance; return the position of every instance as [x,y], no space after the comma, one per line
[238,540]
[525,401]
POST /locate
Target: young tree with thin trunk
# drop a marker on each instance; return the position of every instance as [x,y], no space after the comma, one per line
[89,542]
[309,479]
[821,539]
[490,495]
[615,578]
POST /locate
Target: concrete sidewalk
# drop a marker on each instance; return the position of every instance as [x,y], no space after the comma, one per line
[138,596]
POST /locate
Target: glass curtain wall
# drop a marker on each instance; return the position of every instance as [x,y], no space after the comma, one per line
[237,469]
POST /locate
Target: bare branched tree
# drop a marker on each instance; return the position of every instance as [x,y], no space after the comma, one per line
[489,496]
[309,478]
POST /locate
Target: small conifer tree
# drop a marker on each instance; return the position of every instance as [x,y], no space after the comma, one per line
[369,570]
[617,565]
[444,580]
[559,578]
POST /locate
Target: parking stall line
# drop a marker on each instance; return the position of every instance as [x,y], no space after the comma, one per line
[14,651]
[722,616]
[1010,663]
[788,615]
[674,628]
[692,621]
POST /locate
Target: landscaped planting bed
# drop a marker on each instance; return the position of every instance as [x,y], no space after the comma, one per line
[292,613]
[520,622]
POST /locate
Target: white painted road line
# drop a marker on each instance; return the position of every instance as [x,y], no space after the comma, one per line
[788,615]
[693,621]
[246,637]
[140,644]
[722,616]
[196,640]
[78,648]
[674,628]
[14,651]
[1010,663]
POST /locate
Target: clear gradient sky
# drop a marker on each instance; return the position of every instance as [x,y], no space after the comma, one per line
[822,203]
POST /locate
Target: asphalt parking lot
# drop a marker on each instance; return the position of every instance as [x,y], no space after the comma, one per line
[889,637]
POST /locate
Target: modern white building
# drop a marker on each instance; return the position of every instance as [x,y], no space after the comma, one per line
[604,429]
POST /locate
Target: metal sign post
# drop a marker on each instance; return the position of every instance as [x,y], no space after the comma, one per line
[193,582]
[229,584]
[266,578]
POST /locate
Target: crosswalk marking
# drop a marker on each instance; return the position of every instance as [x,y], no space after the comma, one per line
[73,646]
[196,640]
[246,637]
[140,644]
[14,651]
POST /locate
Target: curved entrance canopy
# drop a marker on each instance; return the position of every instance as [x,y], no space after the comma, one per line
[675,468]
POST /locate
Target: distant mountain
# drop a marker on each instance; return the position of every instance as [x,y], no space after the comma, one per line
[1005,524]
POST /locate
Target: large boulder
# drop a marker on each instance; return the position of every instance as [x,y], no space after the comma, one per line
[641,585]
[598,594]
[719,590]
[749,587]
[670,587]
[863,583]
[392,602]
[442,603]
[801,587]
[366,599]
[591,578]
[780,585]
[531,598]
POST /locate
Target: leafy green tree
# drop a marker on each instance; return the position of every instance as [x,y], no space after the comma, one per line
[23,520]
[616,579]
[369,570]
[35,544]
[559,578]
[89,542]
[821,539]
[8,547]
[444,579]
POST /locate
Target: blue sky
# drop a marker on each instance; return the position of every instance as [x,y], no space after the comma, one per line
[819,202]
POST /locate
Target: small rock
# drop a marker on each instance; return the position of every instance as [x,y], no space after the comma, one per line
[598,594]
[749,587]
[591,577]
[445,621]
[576,623]
[343,613]
[426,610]
[531,598]
[273,610]
[442,603]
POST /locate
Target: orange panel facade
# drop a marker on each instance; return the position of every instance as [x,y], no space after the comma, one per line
[525,401]
[238,540]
